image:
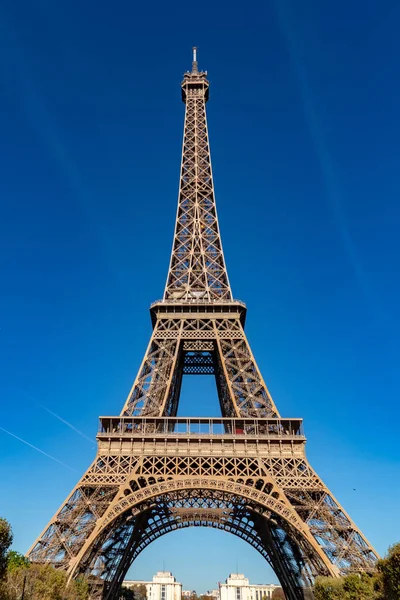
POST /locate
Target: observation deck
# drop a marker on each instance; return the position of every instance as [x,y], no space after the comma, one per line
[200,428]
[197,306]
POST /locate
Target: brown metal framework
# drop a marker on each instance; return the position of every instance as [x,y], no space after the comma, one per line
[245,472]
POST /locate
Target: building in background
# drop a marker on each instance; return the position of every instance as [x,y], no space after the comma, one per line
[138,586]
[163,587]
[237,587]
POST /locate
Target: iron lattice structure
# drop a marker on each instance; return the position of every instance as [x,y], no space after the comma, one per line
[245,473]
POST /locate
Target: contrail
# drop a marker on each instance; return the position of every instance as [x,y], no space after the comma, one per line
[18,75]
[37,449]
[67,423]
[282,9]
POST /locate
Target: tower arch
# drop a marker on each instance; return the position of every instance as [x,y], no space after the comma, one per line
[262,521]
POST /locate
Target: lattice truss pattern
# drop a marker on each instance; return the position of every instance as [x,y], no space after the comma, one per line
[174,350]
[270,497]
[259,486]
[197,268]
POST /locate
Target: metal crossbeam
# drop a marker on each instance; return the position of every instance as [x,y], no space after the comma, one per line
[198,363]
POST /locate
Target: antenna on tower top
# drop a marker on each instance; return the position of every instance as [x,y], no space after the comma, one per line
[194,63]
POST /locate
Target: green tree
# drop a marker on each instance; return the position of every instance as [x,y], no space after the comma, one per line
[126,593]
[15,582]
[6,538]
[328,588]
[389,570]
[48,583]
[42,582]
[278,594]
[16,560]
[359,587]
[352,587]
[140,591]
[80,589]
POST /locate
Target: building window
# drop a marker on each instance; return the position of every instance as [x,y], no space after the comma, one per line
[163,592]
[238,594]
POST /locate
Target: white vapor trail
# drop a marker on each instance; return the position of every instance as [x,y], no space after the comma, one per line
[283,9]
[67,423]
[36,448]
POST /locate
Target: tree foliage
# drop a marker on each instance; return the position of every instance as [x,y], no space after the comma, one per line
[140,591]
[383,585]
[16,560]
[328,588]
[278,594]
[40,582]
[135,592]
[359,587]
[126,593]
[18,577]
[352,587]
[389,570]
[6,538]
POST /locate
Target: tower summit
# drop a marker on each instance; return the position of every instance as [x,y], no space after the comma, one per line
[195,78]
[197,269]
[245,472]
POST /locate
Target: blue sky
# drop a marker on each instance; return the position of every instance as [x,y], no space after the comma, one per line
[304,130]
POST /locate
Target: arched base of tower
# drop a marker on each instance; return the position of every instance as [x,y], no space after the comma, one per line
[292,558]
[252,479]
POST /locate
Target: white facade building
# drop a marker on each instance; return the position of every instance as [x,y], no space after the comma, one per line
[237,587]
[163,587]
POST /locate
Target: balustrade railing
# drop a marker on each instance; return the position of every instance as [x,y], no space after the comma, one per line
[199,427]
[203,301]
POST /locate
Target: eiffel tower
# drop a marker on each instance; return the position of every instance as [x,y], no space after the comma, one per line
[245,472]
